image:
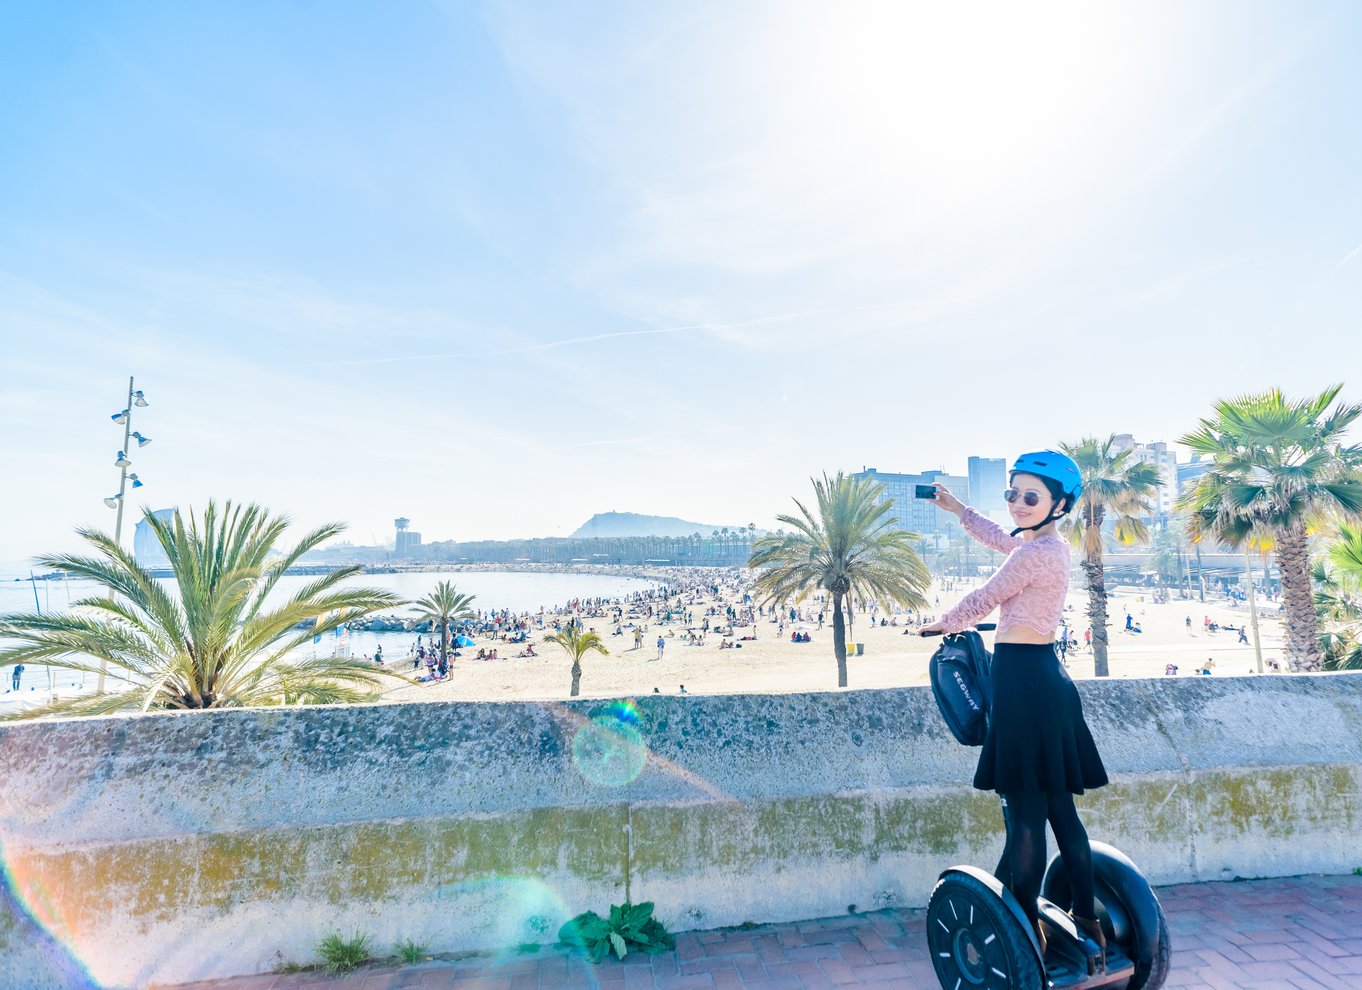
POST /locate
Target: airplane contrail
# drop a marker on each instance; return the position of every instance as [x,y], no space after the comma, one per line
[1348,257]
[547,345]
[593,338]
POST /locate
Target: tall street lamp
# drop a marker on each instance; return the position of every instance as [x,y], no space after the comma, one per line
[136,400]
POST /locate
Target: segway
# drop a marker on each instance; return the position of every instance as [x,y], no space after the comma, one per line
[977,933]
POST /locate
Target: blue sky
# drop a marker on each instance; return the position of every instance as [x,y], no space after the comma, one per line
[496,267]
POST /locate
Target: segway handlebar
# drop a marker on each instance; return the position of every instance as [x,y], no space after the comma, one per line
[981,626]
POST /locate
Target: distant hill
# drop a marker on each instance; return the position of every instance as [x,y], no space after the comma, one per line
[604,524]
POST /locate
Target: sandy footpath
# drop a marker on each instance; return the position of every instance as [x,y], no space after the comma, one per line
[891,659]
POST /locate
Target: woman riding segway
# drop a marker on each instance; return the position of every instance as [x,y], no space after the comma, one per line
[1038,752]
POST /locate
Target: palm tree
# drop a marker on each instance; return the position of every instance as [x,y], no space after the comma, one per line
[577,644]
[212,642]
[851,547]
[1338,600]
[1241,535]
[441,607]
[1167,546]
[1280,466]
[1115,485]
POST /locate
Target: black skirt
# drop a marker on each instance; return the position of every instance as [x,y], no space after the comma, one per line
[1037,739]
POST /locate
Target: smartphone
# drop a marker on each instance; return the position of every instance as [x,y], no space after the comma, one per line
[924,491]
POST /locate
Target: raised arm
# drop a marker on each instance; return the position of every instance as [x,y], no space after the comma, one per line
[987,532]
[983,529]
[1007,581]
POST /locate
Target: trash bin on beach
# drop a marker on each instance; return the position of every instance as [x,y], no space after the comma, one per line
[860,649]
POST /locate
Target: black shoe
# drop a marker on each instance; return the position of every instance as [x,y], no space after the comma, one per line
[1092,928]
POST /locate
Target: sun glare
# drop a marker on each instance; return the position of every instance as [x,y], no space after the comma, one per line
[949,102]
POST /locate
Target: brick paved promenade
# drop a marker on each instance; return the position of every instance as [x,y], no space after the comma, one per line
[1302,932]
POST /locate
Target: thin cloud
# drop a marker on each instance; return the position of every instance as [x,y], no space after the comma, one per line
[525,349]
[614,442]
[1348,257]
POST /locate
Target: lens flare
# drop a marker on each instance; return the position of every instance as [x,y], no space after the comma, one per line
[625,709]
[524,914]
[609,750]
[34,923]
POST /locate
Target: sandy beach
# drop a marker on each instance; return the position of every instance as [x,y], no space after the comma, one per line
[773,664]
[893,656]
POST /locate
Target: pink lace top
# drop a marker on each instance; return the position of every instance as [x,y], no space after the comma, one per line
[1030,586]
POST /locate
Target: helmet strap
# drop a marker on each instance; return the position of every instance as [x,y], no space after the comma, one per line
[1042,524]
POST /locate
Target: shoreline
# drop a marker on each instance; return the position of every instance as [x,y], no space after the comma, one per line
[643,571]
[664,574]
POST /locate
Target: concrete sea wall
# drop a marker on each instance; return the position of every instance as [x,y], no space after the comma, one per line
[173,847]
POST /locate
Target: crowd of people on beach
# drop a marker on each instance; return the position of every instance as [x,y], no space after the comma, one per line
[666,604]
[695,606]
[690,608]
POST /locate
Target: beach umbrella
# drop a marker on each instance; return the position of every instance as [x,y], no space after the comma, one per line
[465,641]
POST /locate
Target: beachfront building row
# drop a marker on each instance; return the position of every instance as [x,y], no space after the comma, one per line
[1176,477]
[986,478]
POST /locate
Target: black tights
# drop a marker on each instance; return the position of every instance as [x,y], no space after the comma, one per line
[1022,867]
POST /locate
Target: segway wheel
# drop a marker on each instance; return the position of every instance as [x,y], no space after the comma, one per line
[975,941]
[1129,909]
[1151,972]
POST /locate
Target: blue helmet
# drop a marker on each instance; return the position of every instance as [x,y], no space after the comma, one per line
[1055,466]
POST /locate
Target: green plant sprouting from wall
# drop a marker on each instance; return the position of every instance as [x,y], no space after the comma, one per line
[630,928]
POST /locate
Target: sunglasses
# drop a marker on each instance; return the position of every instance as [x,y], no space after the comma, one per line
[1028,498]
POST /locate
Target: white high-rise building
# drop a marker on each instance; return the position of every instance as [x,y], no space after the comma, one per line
[146,548]
[1165,459]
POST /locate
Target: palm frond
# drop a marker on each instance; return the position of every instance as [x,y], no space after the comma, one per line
[215,643]
[1114,485]
[576,643]
[85,704]
[851,546]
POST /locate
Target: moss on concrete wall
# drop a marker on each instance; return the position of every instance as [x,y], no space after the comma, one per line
[474,826]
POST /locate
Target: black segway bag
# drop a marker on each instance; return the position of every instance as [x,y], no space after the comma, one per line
[962,683]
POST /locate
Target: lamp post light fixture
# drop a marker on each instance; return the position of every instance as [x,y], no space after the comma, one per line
[136,400]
